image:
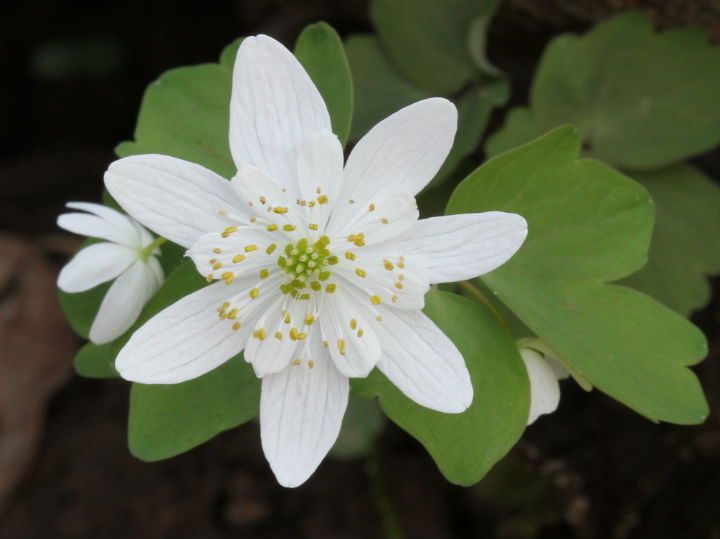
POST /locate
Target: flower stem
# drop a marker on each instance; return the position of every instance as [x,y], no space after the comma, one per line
[378,489]
[482,298]
[146,251]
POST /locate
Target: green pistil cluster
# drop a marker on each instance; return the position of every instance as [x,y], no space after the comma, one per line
[305,265]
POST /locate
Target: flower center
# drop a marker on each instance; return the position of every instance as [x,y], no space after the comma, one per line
[306,264]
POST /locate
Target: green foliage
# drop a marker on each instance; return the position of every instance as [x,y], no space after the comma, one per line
[465,446]
[588,225]
[362,424]
[96,361]
[320,51]
[686,240]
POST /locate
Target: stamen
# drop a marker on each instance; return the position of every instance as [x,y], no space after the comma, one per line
[378,318]
[353,324]
[270,248]
[238,258]
[330,288]
[384,221]
[278,336]
[250,248]
[232,314]
[309,320]
[394,298]
[229,230]
[349,255]
[264,273]
[398,286]
[388,265]
[401,277]
[325,344]
[360,273]
[217,250]
[322,199]
[288,228]
[254,292]
[311,363]
[272,227]
[371,207]
[236,326]
[341,346]
[375,300]
[217,266]
[312,226]
[297,362]
[209,278]
[360,333]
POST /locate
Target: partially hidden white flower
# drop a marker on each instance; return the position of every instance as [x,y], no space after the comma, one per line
[318,269]
[127,255]
[544,373]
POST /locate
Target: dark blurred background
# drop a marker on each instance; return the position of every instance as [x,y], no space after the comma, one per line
[72,76]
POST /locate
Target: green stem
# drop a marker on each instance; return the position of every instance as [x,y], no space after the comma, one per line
[146,251]
[482,298]
[378,489]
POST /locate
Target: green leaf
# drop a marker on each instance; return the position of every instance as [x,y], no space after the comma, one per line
[641,99]
[465,446]
[185,114]
[520,127]
[686,240]
[166,420]
[320,51]
[379,89]
[228,54]
[96,361]
[588,225]
[362,424]
[428,40]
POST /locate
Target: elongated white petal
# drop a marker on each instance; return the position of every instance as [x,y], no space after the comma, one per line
[273,107]
[422,362]
[128,231]
[348,326]
[301,411]
[544,386]
[123,302]
[95,264]
[177,199]
[96,227]
[407,148]
[184,341]
[320,170]
[457,247]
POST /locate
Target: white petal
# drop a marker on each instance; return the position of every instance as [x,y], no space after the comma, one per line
[276,350]
[184,341]
[457,247]
[273,107]
[96,227]
[301,411]
[174,198]
[157,270]
[389,213]
[95,264]
[126,231]
[123,302]
[422,362]
[348,326]
[544,386]
[320,170]
[261,195]
[407,148]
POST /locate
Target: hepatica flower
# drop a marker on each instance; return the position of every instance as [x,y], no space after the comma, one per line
[128,255]
[318,269]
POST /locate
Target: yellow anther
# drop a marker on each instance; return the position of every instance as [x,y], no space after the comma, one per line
[254,292]
[229,278]
[311,363]
[264,273]
[222,212]
[217,266]
[270,248]
[401,277]
[226,274]
[394,298]
[222,315]
[351,201]
[349,255]
[261,334]
[341,346]
[398,286]
[325,344]
[213,261]
[371,207]
[388,265]
[353,324]
[322,199]
[330,288]
[278,336]
[378,318]
[316,286]
[288,228]
[272,227]
[357,239]
[301,336]
[296,362]
[250,248]
[217,250]
[309,320]
[225,305]
[311,203]
[376,300]
[360,273]
[280,209]
[305,296]
[229,230]
[318,190]
[400,264]
[262,200]
[238,258]
[253,219]
[287,319]
[236,326]
[360,333]
[384,221]
[312,226]
[250,203]
[209,278]
[232,314]
[294,333]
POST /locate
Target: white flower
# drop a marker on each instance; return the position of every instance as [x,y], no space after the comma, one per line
[128,256]
[544,373]
[319,271]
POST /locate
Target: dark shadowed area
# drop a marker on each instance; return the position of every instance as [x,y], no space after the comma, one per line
[73,74]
